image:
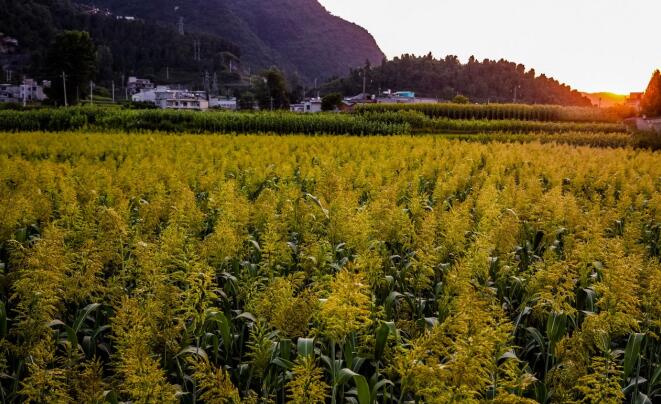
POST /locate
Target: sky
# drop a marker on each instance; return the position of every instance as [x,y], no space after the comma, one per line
[591,45]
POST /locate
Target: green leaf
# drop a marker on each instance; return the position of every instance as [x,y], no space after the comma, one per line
[223,324]
[247,316]
[633,382]
[318,203]
[83,314]
[431,322]
[556,326]
[284,348]
[632,353]
[283,363]
[536,335]
[378,386]
[364,394]
[110,396]
[55,323]
[362,387]
[642,399]
[3,320]
[305,346]
[193,350]
[507,355]
[381,338]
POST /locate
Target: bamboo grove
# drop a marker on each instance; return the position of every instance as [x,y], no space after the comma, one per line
[225,269]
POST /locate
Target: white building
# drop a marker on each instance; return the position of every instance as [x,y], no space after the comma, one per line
[135,85]
[403,97]
[187,103]
[223,103]
[9,93]
[29,91]
[167,98]
[312,105]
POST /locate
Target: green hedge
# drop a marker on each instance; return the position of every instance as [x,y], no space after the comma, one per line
[498,112]
[52,120]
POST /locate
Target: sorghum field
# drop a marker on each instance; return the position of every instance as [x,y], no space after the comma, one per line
[152,268]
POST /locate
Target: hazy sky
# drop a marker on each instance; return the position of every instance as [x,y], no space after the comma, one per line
[592,45]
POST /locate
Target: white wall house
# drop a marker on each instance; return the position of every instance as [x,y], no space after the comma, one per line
[189,103]
[135,85]
[167,98]
[29,91]
[312,105]
[223,103]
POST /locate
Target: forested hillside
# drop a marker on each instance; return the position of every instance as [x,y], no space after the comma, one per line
[486,81]
[123,47]
[299,36]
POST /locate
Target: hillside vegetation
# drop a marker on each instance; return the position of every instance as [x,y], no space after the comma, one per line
[484,81]
[123,47]
[299,36]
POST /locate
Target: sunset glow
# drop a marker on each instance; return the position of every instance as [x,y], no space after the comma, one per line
[592,45]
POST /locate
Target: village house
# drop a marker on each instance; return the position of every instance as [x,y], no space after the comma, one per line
[229,103]
[29,91]
[166,98]
[135,85]
[313,105]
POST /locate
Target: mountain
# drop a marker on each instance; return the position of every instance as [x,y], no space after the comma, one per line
[299,36]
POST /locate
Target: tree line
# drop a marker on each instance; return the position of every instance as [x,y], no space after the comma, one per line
[485,81]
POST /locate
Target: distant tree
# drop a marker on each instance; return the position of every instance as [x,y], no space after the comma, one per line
[460,99]
[246,101]
[272,92]
[651,102]
[73,54]
[331,101]
[104,63]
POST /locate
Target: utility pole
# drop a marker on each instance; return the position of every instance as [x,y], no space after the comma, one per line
[167,73]
[113,91]
[516,88]
[64,86]
[25,94]
[181,25]
[206,84]
[364,84]
[91,93]
[214,86]
[271,103]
